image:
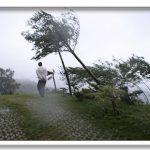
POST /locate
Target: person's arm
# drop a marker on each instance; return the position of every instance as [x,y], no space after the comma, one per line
[49,72]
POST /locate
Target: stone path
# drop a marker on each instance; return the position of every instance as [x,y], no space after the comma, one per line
[9,129]
[54,112]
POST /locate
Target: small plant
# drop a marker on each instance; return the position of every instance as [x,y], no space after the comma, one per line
[84,94]
[63,91]
[111,94]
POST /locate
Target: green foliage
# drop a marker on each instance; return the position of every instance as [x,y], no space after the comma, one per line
[118,74]
[84,94]
[133,70]
[76,76]
[132,123]
[8,85]
[49,33]
[109,93]
[79,77]
[140,66]
[106,73]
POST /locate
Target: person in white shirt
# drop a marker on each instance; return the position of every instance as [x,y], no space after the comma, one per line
[42,76]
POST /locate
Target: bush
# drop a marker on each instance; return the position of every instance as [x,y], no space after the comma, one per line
[109,93]
[84,94]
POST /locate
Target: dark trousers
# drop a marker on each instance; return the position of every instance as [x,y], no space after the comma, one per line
[41,87]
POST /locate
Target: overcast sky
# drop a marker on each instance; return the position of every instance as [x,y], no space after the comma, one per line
[103,33]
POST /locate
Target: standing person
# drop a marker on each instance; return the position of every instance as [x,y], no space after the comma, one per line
[41,74]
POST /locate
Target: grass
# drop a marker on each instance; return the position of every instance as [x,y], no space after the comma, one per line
[132,123]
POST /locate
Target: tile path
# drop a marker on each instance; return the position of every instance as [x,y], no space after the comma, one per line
[9,128]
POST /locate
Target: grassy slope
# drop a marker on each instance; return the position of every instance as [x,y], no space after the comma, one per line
[133,122]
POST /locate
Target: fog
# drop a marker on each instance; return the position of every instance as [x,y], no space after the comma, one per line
[104,32]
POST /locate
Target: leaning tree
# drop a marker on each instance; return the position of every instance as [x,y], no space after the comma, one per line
[45,36]
[54,35]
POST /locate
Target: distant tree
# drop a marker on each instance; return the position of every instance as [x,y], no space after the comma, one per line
[8,85]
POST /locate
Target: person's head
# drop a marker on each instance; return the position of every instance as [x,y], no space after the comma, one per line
[40,63]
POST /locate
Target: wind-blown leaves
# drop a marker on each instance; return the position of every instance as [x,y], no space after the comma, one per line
[47,31]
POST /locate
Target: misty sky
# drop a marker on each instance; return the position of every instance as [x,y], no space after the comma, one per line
[103,33]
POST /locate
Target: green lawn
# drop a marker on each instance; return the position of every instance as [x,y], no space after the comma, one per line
[132,123]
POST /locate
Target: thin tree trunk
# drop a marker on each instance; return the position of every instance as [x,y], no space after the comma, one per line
[79,60]
[66,73]
[114,106]
[54,81]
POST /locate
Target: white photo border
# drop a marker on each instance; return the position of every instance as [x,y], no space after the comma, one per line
[75,3]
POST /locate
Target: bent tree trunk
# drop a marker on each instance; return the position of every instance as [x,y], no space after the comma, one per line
[79,60]
[54,81]
[66,73]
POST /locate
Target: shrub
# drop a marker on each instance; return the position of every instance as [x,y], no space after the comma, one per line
[84,94]
[111,94]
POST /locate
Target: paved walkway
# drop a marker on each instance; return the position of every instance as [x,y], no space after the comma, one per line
[9,128]
[55,112]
